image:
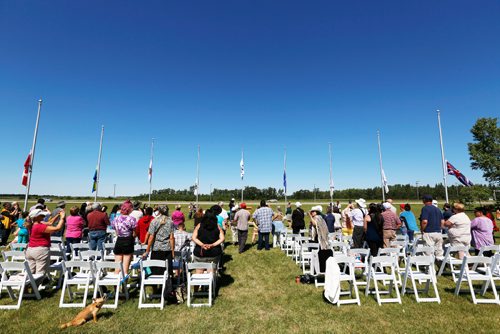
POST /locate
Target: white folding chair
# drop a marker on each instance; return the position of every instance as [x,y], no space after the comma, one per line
[424,272]
[14,256]
[298,247]
[84,275]
[109,251]
[77,247]
[339,247]
[290,243]
[347,239]
[18,246]
[205,279]
[470,276]
[56,268]
[347,275]
[54,239]
[383,268]
[361,256]
[153,280]
[17,276]
[105,276]
[316,268]
[90,255]
[306,256]
[451,261]
[395,253]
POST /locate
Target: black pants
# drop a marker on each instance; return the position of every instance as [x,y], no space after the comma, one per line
[296,229]
[358,236]
[263,241]
[374,246]
[162,255]
[242,240]
[4,234]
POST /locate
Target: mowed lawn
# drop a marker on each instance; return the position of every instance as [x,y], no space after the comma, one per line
[258,293]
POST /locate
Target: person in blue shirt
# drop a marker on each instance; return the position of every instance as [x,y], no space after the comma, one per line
[431,223]
[22,232]
[411,222]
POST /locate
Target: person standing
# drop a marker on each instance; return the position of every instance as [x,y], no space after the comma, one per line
[391,224]
[374,228]
[330,220]
[459,228]
[298,221]
[288,213]
[264,219]
[98,222]
[178,216]
[411,221]
[232,223]
[346,220]
[61,205]
[143,225]
[431,223]
[357,217]
[124,226]
[482,232]
[241,219]
[137,212]
[74,228]
[391,207]
[6,224]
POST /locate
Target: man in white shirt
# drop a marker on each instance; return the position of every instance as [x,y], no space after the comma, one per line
[358,221]
[137,213]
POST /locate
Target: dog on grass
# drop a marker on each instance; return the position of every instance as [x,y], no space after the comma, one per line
[89,312]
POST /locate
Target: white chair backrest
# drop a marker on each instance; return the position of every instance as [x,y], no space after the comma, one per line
[10,256]
[358,251]
[492,248]
[345,259]
[382,260]
[18,246]
[106,265]
[154,263]
[199,265]
[481,260]
[421,260]
[386,251]
[87,255]
[421,249]
[54,239]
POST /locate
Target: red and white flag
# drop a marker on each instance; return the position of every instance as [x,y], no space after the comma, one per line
[27,165]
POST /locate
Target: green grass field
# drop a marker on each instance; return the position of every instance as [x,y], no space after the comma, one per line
[258,293]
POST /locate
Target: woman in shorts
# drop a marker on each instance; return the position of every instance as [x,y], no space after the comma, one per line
[124,226]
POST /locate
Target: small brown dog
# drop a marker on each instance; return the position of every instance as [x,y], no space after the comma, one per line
[87,313]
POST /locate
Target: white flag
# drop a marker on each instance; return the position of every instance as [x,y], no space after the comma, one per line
[150,170]
[384,180]
[331,188]
[242,167]
[196,187]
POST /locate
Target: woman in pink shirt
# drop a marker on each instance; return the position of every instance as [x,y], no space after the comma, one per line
[74,228]
[178,216]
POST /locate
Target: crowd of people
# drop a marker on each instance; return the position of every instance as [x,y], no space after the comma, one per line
[163,233]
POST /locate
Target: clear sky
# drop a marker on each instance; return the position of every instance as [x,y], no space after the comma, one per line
[255,74]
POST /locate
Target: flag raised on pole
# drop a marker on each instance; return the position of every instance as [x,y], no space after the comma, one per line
[384,180]
[242,166]
[94,183]
[461,177]
[27,166]
[150,169]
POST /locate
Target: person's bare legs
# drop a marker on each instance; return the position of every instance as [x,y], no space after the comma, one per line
[126,263]
[118,258]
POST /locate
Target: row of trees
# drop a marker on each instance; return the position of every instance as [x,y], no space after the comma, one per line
[405,192]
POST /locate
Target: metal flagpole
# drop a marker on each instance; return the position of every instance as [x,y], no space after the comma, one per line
[99,165]
[284,177]
[151,171]
[242,172]
[442,156]
[331,178]
[381,170]
[32,158]
[198,177]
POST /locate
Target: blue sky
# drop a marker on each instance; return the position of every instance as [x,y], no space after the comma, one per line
[255,74]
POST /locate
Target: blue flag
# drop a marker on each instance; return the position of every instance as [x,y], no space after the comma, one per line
[94,185]
[284,180]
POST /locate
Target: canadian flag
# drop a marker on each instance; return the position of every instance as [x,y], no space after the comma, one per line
[27,165]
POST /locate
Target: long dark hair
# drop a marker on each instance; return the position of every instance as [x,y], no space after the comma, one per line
[209,221]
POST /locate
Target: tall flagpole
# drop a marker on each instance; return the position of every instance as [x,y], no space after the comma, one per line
[442,156]
[381,170]
[32,158]
[151,171]
[284,177]
[198,177]
[99,165]
[331,178]
[242,172]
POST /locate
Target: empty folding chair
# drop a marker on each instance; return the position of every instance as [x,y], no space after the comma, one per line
[82,273]
[383,268]
[17,276]
[361,256]
[205,279]
[90,255]
[306,256]
[289,243]
[155,280]
[14,256]
[57,268]
[105,276]
[109,251]
[347,275]
[453,262]
[485,276]
[421,269]
[76,247]
[54,239]
[297,247]
[339,247]
[395,253]
[347,239]
[18,246]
